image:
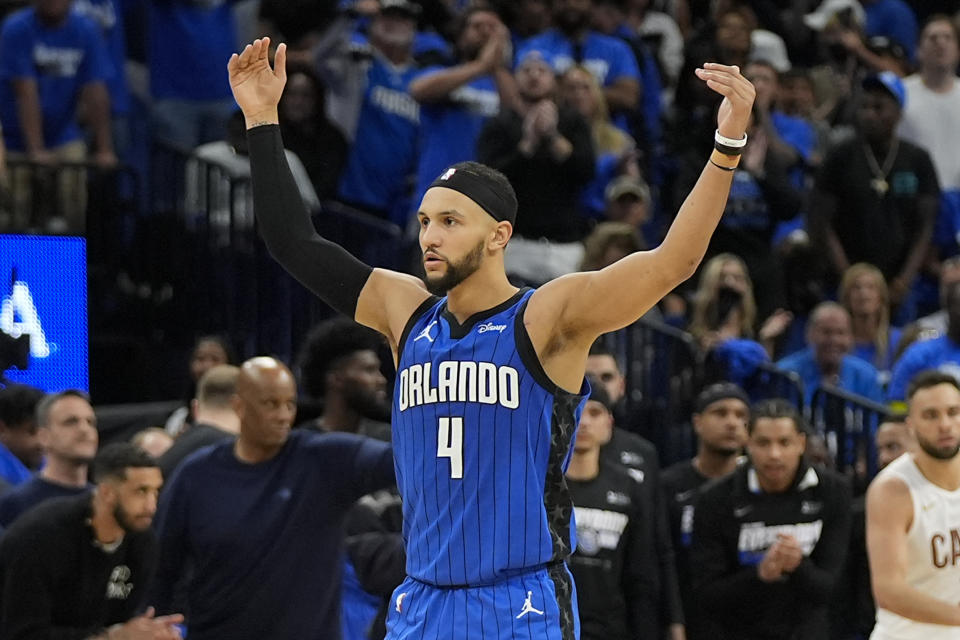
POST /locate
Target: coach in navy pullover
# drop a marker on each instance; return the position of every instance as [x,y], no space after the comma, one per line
[261,519]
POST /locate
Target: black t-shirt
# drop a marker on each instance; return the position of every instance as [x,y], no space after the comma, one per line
[871,228]
[735,524]
[57,583]
[322,150]
[24,497]
[617,594]
[196,437]
[638,457]
[548,192]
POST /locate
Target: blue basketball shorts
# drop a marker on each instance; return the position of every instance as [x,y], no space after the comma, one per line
[541,604]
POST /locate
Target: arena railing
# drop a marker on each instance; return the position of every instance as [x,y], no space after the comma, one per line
[663,370]
[768,382]
[848,422]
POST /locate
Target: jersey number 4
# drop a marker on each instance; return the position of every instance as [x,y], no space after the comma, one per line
[450,444]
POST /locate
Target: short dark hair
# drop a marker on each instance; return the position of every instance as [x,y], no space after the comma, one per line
[460,21]
[113,460]
[938,17]
[218,339]
[599,348]
[930,378]
[326,345]
[774,409]
[18,405]
[47,402]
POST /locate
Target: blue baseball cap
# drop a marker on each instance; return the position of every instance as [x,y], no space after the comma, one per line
[889,82]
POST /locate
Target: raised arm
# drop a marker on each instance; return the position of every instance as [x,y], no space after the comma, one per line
[380,299]
[889,515]
[589,304]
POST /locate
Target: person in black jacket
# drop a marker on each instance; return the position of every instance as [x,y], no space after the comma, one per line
[76,567]
[546,151]
[638,457]
[719,419]
[769,540]
[617,592]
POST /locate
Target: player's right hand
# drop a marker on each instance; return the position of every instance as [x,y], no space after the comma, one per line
[256,87]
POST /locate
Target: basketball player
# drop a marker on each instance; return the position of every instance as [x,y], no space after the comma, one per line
[490,378]
[913,521]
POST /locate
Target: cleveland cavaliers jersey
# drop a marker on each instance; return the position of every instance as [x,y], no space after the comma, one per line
[481,442]
[933,553]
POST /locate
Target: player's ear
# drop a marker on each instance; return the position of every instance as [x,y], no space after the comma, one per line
[501,235]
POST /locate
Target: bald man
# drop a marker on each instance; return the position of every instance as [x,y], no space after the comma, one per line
[260,519]
[827,359]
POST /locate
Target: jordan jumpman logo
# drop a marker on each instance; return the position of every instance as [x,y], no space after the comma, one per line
[527,607]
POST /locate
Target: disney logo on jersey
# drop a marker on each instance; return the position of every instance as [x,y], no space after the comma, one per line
[491,327]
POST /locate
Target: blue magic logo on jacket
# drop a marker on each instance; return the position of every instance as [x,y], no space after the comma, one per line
[756,538]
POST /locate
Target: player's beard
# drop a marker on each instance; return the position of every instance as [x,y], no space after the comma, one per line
[940,453]
[369,404]
[725,451]
[456,272]
[124,519]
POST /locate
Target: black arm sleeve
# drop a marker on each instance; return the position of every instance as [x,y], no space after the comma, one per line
[320,265]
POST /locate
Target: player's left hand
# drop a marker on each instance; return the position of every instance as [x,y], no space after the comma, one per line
[789,552]
[738,96]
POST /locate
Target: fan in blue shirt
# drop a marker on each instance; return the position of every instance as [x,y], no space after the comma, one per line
[191,102]
[108,14]
[828,358]
[457,100]
[941,353]
[609,59]
[382,160]
[260,519]
[63,56]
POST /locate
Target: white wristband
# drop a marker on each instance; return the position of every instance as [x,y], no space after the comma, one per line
[730,142]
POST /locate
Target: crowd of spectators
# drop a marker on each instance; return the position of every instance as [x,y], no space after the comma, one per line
[837,259]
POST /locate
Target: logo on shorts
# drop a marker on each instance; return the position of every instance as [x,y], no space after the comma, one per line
[400,601]
[527,607]
[446,174]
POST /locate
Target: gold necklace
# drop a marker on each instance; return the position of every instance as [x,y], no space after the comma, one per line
[879,182]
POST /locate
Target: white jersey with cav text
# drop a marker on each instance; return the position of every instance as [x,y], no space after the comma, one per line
[933,553]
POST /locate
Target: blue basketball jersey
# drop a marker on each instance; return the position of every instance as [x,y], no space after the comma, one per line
[481,441]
